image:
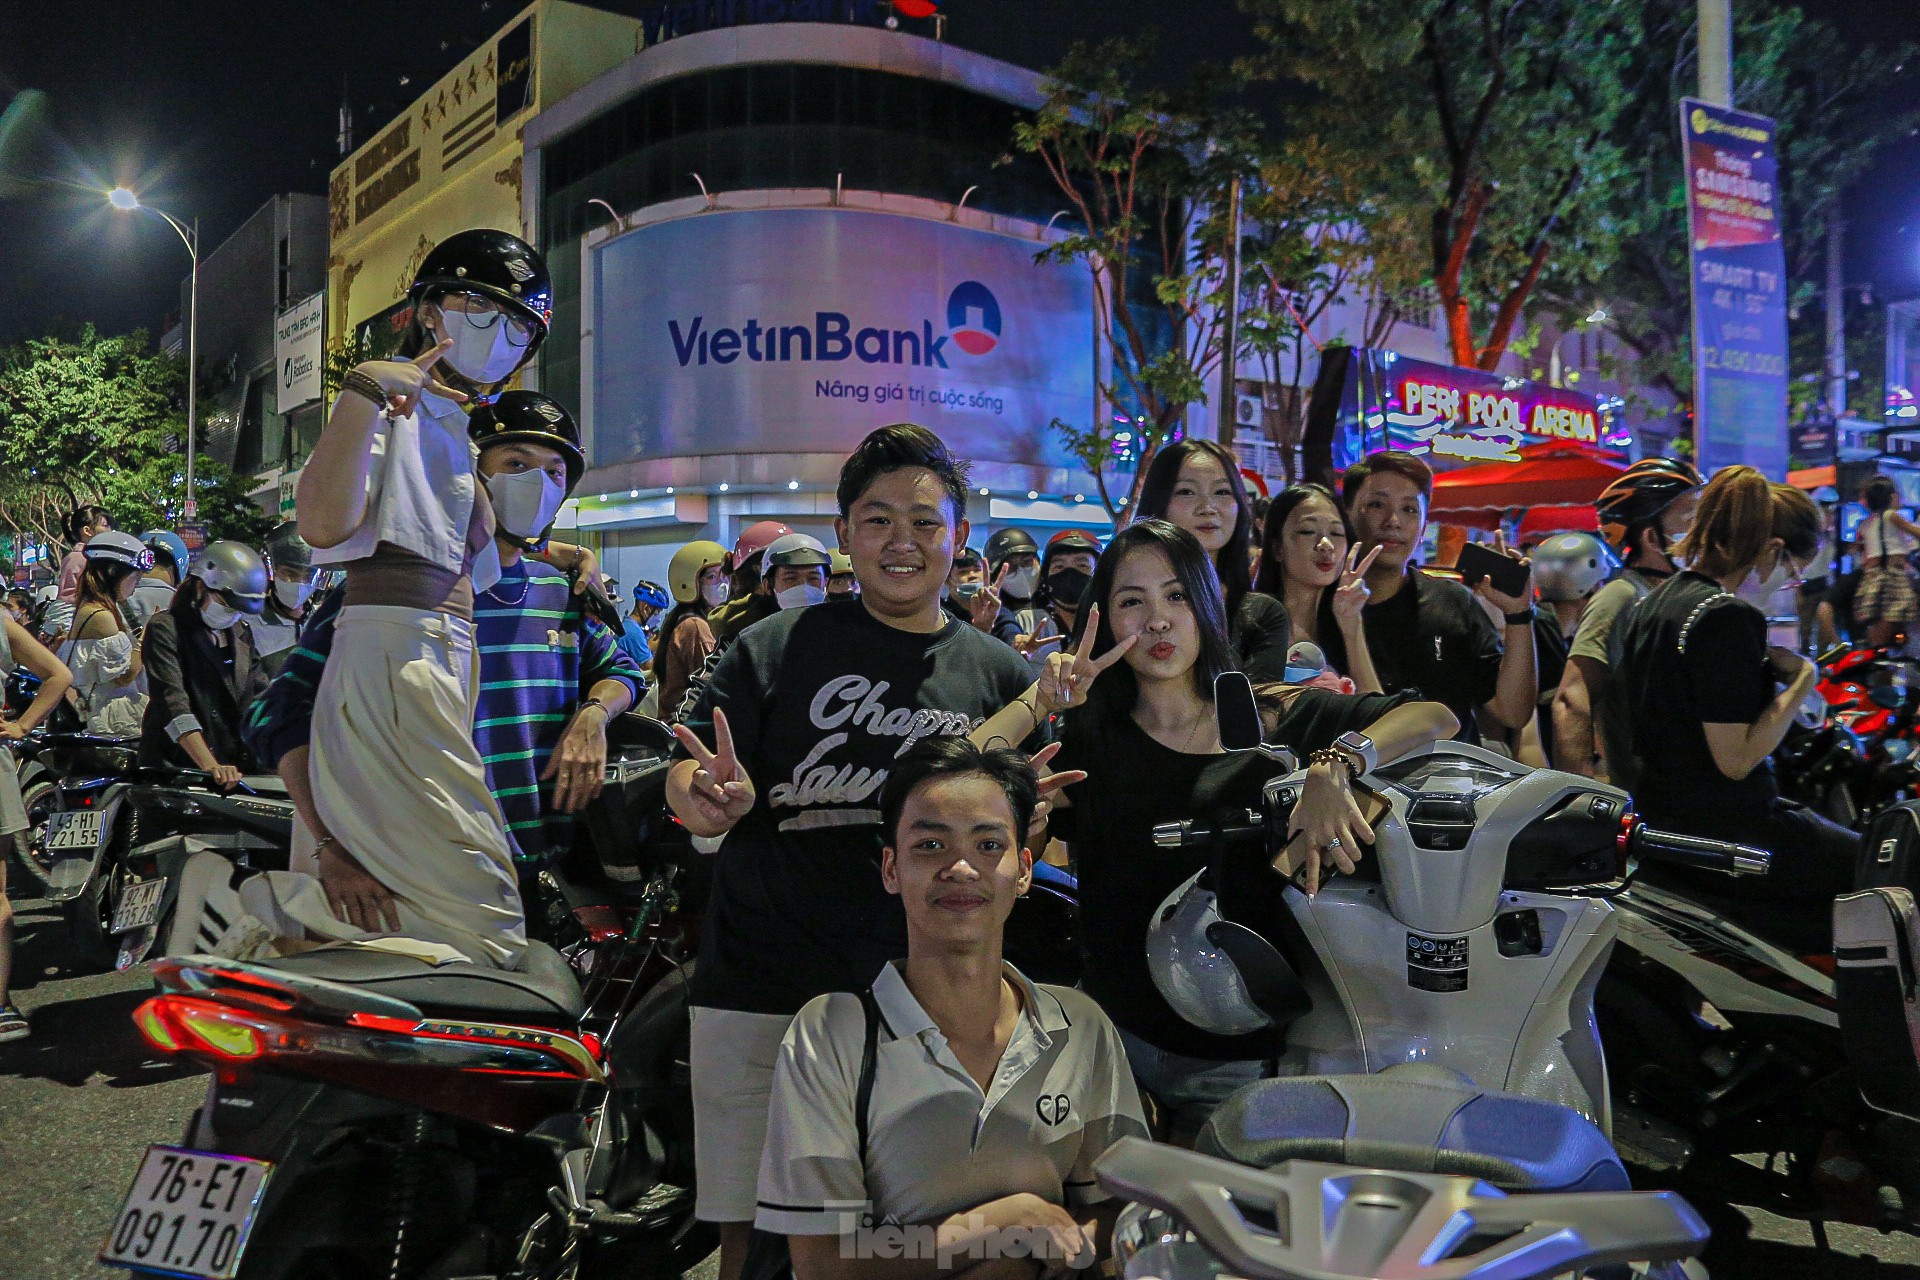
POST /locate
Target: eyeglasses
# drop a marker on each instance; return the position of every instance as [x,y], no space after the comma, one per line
[483,313]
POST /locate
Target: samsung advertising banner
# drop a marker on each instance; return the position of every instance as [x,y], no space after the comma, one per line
[1739,288]
[297,351]
[800,330]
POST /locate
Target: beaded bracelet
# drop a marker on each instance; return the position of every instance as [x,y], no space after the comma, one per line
[1332,755]
[363,385]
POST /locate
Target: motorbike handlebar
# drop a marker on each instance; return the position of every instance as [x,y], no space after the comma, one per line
[1643,843]
[1188,834]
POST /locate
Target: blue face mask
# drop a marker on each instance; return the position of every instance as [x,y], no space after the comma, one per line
[1300,675]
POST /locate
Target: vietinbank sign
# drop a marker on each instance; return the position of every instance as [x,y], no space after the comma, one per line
[973,325]
[800,330]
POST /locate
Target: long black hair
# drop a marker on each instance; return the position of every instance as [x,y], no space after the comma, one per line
[1116,691]
[1234,563]
[1272,578]
[100,584]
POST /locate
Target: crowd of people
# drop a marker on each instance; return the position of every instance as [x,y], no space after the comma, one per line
[879,738]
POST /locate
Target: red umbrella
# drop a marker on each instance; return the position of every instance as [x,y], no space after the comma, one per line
[1547,475]
[1541,521]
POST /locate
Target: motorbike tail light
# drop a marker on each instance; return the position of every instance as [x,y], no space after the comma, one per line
[222,1035]
[151,1022]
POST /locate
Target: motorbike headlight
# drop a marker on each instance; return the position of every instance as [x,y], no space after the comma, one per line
[1151,1244]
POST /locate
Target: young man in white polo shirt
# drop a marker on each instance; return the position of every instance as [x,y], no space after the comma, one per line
[988,1098]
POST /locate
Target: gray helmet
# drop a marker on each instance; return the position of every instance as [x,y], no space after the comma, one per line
[1572,566]
[286,549]
[1220,976]
[795,550]
[235,572]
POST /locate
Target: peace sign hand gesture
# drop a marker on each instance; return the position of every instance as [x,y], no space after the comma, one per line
[1070,676]
[404,380]
[1352,594]
[986,605]
[721,791]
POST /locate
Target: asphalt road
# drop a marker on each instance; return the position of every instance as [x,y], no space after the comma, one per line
[81,1099]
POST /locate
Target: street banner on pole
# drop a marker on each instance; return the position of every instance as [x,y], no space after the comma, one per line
[1739,288]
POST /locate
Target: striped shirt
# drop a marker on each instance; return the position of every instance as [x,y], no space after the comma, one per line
[539,656]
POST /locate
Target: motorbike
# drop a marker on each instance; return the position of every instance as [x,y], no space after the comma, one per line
[64,772]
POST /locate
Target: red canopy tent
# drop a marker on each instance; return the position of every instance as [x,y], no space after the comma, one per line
[1551,474]
[1539,522]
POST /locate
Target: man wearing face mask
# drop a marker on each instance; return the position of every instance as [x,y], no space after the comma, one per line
[551,676]
[1065,574]
[976,598]
[294,579]
[201,667]
[796,571]
[1012,552]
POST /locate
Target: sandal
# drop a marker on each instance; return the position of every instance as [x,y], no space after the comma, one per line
[13,1023]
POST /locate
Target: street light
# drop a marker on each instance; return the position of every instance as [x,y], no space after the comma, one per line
[125,201]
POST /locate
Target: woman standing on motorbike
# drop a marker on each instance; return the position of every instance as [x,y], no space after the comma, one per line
[104,654]
[1145,734]
[1313,566]
[1710,699]
[1196,485]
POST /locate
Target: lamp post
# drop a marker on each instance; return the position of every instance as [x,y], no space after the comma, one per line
[125,201]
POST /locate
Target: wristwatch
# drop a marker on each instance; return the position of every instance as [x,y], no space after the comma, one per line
[1361,748]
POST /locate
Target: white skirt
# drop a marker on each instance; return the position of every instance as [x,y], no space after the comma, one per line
[397,779]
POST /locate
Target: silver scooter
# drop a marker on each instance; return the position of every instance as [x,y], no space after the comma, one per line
[1442,1047]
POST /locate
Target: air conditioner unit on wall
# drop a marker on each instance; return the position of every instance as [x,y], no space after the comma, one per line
[1246,410]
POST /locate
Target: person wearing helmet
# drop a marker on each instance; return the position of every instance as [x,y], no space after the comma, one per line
[747,601]
[977,597]
[1072,555]
[955,821]
[1644,514]
[796,571]
[81,525]
[550,677]
[1568,569]
[390,493]
[1013,561]
[650,602]
[157,586]
[793,581]
[103,650]
[697,576]
[841,582]
[294,578]
[782,757]
[201,666]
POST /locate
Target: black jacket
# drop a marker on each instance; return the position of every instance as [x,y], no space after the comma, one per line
[186,679]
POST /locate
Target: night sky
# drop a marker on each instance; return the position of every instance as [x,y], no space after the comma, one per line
[209,108]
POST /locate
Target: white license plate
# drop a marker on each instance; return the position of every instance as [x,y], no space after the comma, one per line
[73,829]
[140,905]
[187,1214]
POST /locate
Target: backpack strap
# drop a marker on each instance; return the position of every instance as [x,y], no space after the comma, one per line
[869,1062]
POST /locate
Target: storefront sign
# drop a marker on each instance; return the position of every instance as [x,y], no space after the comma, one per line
[289,489]
[297,350]
[800,330]
[1739,288]
[672,18]
[1365,400]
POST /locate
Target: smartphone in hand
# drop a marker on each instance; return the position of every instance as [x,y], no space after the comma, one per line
[1509,576]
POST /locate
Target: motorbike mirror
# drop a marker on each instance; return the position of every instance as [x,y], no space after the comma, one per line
[1236,712]
[1887,696]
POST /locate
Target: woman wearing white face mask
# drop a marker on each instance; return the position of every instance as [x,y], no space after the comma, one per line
[697,577]
[201,665]
[1709,700]
[390,493]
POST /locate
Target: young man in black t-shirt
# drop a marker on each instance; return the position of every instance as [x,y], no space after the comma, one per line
[786,752]
[1429,633]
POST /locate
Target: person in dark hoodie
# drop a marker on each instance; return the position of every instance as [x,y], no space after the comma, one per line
[1065,571]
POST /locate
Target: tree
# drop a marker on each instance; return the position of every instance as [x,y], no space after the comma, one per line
[96,419]
[1142,170]
[1826,96]
[1483,128]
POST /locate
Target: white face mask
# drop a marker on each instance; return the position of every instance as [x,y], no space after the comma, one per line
[1021,583]
[485,355]
[218,615]
[525,502]
[799,597]
[292,594]
[1760,591]
[715,594]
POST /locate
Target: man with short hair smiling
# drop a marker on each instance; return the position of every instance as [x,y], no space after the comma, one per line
[786,751]
[1426,632]
[988,1099]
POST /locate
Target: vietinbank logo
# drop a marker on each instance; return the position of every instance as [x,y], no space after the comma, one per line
[973,325]
[973,318]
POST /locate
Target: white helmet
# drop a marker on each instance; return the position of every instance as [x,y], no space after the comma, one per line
[121,548]
[235,572]
[1572,566]
[1220,976]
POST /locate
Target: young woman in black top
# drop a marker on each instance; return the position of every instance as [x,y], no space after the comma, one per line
[1710,699]
[1312,565]
[1196,485]
[1137,690]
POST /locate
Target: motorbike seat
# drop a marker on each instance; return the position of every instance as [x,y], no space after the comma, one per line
[541,992]
[1415,1118]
